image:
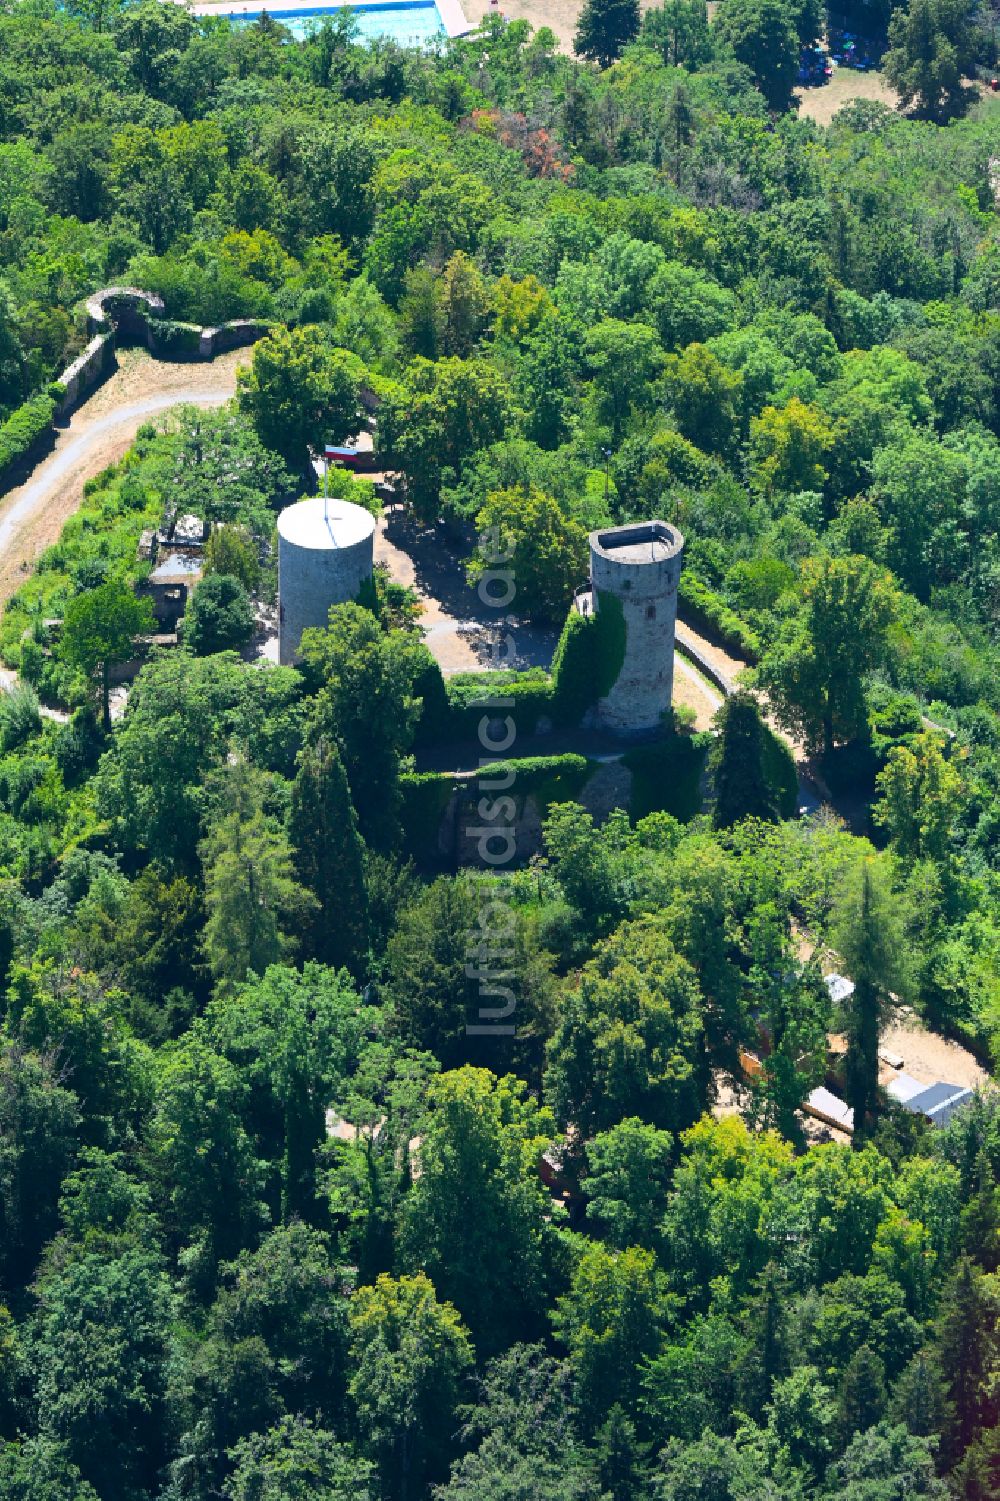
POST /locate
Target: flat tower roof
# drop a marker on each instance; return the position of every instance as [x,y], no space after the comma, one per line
[638,542]
[325,524]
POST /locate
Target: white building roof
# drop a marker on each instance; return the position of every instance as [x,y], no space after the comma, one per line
[325,524]
[827,1106]
[903,1087]
[840,988]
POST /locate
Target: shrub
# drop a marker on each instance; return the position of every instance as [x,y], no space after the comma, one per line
[19,716]
[708,612]
[78,746]
[179,341]
[454,708]
[23,429]
[219,617]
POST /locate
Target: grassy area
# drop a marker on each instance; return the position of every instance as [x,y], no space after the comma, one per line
[822,103]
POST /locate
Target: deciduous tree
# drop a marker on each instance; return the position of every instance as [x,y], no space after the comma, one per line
[763,35]
[484,1135]
[545,550]
[410,1354]
[934,46]
[301,392]
[630,1037]
[219,616]
[814,673]
[605,27]
[100,629]
[628,1171]
[296,1461]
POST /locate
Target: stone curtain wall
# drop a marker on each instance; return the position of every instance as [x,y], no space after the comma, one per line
[119,314]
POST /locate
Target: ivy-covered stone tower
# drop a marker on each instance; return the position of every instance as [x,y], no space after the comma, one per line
[634,574]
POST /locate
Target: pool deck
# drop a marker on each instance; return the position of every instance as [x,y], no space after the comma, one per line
[451,12]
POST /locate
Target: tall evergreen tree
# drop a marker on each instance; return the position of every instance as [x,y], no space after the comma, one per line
[967,1351]
[253,901]
[741,785]
[328,856]
[868,937]
[862,1393]
[980,1219]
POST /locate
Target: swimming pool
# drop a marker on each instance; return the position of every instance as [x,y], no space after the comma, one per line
[412,23]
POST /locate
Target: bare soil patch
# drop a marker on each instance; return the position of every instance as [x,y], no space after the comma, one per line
[929,1057]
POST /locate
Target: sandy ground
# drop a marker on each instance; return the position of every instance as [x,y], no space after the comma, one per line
[926,1055]
[930,1057]
[98,434]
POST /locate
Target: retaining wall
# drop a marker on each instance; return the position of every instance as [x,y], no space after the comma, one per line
[86,371]
[455,837]
[705,666]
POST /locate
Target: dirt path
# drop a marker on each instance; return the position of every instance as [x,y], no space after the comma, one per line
[98,434]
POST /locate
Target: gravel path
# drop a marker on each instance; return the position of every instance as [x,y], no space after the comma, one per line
[459,630]
[98,434]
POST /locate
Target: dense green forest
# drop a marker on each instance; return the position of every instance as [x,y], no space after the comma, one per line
[276,1221]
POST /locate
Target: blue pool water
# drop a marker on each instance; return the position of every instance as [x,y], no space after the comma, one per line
[411,23]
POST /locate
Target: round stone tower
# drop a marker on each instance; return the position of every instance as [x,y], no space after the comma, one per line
[635,569]
[325,554]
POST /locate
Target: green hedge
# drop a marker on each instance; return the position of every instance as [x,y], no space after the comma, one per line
[23,429]
[454,707]
[666,776]
[178,340]
[548,779]
[425,795]
[708,612]
[424,798]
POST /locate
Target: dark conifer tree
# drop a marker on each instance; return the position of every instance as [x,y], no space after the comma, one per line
[328,856]
[741,786]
